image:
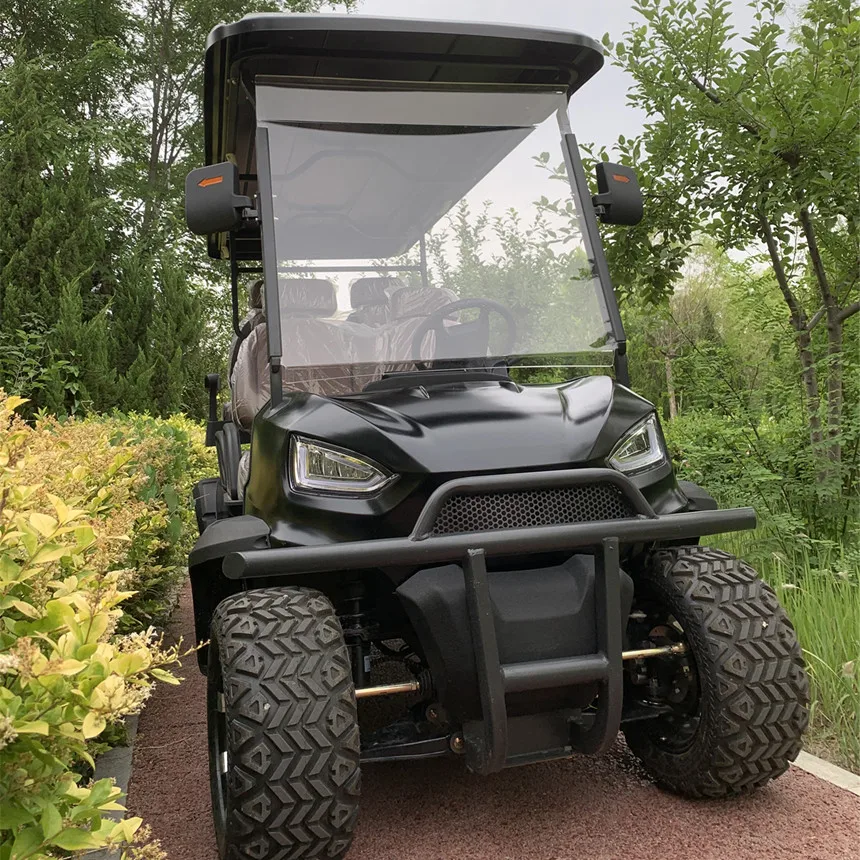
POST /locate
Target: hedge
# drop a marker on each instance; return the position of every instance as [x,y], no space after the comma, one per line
[93,533]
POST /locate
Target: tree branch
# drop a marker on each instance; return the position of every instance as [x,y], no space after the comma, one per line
[798,314]
[848,311]
[816,318]
[815,258]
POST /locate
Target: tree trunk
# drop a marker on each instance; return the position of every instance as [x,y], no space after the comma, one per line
[834,340]
[670,387]
[803,339]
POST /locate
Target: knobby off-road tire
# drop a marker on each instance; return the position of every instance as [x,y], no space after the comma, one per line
[753,688]
[283,730]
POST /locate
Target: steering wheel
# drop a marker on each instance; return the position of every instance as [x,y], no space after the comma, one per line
[447,336]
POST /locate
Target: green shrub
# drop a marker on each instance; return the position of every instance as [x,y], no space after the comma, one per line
[64,673]
[151,464]
[763,463]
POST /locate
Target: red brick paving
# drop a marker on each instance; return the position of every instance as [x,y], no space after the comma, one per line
[595,808]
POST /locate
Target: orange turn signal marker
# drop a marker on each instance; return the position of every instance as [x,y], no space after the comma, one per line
[210,180]
[619,178]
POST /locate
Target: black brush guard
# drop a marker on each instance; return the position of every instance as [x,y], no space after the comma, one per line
[487,740]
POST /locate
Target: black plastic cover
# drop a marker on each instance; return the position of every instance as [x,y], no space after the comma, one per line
[699,499]
[539,614]
[212,200]
[619,196]
[229,535]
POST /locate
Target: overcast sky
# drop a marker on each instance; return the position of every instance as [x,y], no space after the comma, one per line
[599,112]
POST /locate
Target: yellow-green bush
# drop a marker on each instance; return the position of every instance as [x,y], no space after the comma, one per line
[143,506]
[89,514]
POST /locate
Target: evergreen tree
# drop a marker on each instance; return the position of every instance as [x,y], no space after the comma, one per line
[174,336]
[100,119]
[131,309]
[53,252]
[99,374]
[134,390]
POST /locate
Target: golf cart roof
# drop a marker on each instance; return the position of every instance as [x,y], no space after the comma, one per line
[368,51]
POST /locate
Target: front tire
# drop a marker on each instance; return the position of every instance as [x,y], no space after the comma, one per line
[750,706]
[283,729]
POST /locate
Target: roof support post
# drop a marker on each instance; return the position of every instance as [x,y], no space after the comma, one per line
[234,285]
[270,262]
[422,248]
[594,246]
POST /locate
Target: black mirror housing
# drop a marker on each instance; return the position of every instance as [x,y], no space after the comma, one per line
[619,198]
[212,200]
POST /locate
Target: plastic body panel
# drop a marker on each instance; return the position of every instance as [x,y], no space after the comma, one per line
[698,499]
[208,586]
[538,614]
[430,435]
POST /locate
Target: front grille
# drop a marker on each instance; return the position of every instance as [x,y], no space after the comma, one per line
[527,508]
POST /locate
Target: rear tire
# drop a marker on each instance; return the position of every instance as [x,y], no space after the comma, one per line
[753,690]
[283,729]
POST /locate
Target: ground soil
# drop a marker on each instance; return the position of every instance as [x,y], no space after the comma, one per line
[599,808]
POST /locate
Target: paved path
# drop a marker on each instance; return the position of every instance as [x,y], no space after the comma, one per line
[594,808]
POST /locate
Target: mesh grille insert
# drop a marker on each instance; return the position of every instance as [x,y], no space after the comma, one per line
[528,508]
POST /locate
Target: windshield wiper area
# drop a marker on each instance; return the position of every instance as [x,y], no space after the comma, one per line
[446,376]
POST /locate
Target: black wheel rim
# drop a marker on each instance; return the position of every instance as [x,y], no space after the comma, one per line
[677,679]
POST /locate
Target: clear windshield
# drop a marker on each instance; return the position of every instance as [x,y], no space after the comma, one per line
[447,240]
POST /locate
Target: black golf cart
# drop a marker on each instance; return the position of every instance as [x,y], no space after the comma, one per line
[419,544]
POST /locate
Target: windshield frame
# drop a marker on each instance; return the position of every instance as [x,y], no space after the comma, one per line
[586,215]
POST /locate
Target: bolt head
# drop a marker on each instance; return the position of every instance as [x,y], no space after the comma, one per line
[458,745]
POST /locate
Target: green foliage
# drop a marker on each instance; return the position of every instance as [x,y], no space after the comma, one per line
[168,457]
[100,120]
[719,355]
[64,675]
[753,141]
[821,593]
[152,464]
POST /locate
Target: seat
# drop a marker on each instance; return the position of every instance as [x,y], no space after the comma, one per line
[318,352]
[247,324]
[371,299]
[410,306]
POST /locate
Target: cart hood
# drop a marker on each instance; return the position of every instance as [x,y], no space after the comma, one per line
[473,427]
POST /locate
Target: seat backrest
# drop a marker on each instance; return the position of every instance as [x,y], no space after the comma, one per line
[248,323]
[318,352]
[371,299]
[410,306]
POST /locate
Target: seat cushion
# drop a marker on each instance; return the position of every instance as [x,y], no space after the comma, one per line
[327,357]
[371,299]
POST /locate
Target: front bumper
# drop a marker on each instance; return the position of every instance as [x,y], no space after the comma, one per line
[489,739]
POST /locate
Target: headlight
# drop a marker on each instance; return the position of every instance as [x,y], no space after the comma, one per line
[642,448]
[318,468]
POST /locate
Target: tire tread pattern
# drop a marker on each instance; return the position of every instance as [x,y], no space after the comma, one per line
[292,728]
[754,690]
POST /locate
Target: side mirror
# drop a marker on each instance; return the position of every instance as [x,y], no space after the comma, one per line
[212,200]
[619,198]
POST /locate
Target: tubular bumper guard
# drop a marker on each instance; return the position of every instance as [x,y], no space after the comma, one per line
[486,741]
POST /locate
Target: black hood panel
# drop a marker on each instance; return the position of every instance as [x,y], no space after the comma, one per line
[428,436]
[473,427]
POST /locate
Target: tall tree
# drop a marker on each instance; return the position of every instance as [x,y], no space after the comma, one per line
[53,251]
[100,118]
[754,141]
